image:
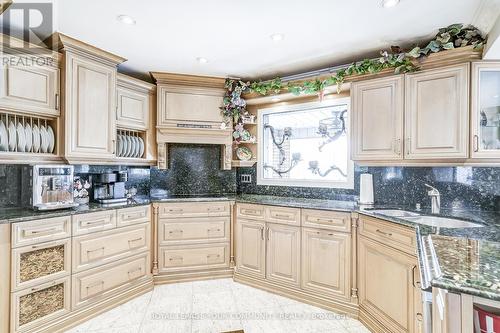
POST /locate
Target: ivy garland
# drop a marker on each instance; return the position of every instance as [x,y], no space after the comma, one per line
[453,36]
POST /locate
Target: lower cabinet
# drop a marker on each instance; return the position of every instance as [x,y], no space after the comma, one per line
[182,258]
[326,264]
[251,248]
[388,292]
[283,254]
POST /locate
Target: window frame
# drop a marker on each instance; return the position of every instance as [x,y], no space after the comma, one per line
[349,184]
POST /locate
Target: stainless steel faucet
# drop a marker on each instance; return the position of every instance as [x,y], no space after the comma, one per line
[435,199]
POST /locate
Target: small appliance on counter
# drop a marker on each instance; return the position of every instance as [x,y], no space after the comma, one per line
[109,188]
[366,189]
[52,186]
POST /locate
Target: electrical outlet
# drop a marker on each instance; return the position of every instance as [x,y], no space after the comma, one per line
[246,179]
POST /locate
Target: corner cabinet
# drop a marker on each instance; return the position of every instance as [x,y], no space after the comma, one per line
[377,119]
[437,113]
[89,101]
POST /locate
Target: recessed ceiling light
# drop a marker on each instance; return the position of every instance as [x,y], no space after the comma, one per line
[202,60]
[275,99]
[126,19]
[277,37]
[389,3]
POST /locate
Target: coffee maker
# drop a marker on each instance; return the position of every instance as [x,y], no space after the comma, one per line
[52,186]
[109,188]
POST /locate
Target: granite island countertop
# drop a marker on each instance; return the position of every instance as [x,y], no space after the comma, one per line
[460,259]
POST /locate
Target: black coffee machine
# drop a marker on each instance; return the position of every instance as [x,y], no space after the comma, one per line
[109,188]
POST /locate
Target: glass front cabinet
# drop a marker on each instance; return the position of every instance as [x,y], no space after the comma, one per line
[485,138]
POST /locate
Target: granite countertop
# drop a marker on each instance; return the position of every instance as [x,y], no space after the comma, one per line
[460,259]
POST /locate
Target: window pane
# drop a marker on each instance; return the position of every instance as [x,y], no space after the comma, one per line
[306,144]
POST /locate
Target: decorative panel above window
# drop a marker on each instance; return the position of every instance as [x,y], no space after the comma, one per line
[306,145]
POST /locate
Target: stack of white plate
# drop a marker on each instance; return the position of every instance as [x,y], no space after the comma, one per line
[129,146]
[26,138]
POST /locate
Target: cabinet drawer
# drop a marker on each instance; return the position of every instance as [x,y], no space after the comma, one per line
[32,307]
[108,246]
[194,230]
[399,237]
[40,263]
[194,257]
[193,209]
[326,220]
[93,222]
[97,283]
[133,215]
[39,231]
[282,215]
[249,211]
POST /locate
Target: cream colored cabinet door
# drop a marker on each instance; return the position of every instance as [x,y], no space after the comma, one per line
[250,248]
[283,254]
[132,108]
[90,108]
[326,263]
[485,104]
[437,113]
[377,119]
[386,285]
[30,89]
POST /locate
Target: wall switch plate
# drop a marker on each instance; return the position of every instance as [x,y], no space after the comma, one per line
[246,178]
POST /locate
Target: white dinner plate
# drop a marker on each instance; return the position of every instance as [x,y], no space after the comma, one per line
[125,146]
[136,147]
[21,138]
[119,147]
[52,139]
[4,137]
[141,148]
[28,136]
[130,146]
[36,139]
[44,136]
[12,136]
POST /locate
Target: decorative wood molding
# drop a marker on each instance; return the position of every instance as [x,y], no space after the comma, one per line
[132,83]
[188,80]
[10,45]
[193,135]
[155,219]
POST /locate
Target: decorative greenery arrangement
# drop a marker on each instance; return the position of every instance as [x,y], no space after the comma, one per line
[453,36]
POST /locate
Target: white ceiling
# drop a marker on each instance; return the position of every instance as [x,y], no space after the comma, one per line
[234,35]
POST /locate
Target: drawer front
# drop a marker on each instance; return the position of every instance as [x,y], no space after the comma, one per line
[193,209]
[282,215]
[249,211]
[40,263]
[32,307]
[194,230]
[93,222]
[133,215]
[108,246]
[326,220]
[402,238]
[194,257]
[39,231]
[95,284]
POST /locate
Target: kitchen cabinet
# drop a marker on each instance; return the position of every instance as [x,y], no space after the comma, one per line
[377,118]
[388,284]
[283,254]
[326,262]
[251,248]
[437,113]
[485,105]
[133,103]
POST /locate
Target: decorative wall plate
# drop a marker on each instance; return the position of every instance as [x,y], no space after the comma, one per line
[244,154]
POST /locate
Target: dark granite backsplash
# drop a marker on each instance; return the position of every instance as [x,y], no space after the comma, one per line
[11,185]
[460,187]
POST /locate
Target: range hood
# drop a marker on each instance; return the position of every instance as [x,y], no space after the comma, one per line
[188,109]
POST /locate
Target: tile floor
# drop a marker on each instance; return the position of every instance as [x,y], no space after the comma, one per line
[216,306]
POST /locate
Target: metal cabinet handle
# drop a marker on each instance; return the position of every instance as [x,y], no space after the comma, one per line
[397,146]
[138,269]
[262,233]
[91,223]
[175,258]
[175,210]
[211,230]
[93,285]
[175,231]
[213,255]
[282,216]
[56,102]
[388,234]
[95,250]
[44,245]
[268,231]
[324,220]
[415,283]
[407,148]
[476,143]
[134,240]
[44,231]
[249,211]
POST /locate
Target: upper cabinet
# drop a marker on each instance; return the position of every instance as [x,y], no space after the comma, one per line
[377,130]
[437,113]
[133,103]
[30,89]
[485,117]
[89,101]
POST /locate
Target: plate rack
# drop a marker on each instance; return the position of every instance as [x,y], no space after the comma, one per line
[34,141]
[130,144]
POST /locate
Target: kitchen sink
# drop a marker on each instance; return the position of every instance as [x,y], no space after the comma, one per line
[442,222]
[395,213]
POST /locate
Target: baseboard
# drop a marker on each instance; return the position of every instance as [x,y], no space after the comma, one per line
[77,317]
[349,309]
[193,276]
[371,323]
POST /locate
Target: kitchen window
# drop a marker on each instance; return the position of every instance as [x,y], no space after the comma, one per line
[306,145]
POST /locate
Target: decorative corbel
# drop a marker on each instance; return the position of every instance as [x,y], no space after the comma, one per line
[162,156]
[227,156]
